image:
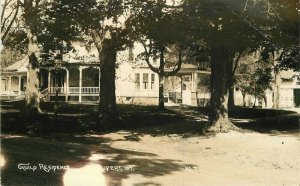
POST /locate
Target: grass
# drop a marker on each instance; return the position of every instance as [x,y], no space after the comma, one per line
[80,118]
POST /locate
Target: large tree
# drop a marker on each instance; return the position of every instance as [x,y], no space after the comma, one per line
[153,24]
[22,33]
[101,22]
[229,27]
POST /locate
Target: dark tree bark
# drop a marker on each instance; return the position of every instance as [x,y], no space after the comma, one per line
[244,97]
[231,98]
[276,84]
[218,117]
[161,103]
[161,74]
[107,103]
[230,84]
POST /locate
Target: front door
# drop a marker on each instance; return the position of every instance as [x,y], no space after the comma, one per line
[297,97]
[58,79]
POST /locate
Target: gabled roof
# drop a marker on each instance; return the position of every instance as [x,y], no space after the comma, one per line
[19,66]
[287,74]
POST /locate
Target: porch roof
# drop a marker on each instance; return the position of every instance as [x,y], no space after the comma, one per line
[19,66]
[188,69]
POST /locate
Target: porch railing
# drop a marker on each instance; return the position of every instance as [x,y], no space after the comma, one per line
[60,90]
[90,90]
[75,90]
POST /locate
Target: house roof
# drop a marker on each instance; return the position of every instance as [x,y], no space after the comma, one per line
[287,74]
[19,66]
[189,66]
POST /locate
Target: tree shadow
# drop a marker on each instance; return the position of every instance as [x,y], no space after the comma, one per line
[76,152]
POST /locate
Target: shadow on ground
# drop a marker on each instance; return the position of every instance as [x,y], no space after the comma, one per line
[76,152]
[140,120]
[71,140]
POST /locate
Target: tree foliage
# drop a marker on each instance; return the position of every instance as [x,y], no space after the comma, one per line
[254,77]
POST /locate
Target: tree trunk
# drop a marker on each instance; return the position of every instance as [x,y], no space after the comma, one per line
[32,95]
[230,84]
[265,100]
[244,101]
[254,101]
[161,74]
[277,81]
[231,92]
[218,118]
[107,103]
[161,103]
[276,90]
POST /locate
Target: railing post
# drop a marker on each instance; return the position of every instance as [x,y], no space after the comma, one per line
[9,83]
[19,85]
[49,81]
[80,83]
[67,85]
[99,83]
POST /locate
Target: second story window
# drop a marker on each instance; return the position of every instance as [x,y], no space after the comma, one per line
[145,81]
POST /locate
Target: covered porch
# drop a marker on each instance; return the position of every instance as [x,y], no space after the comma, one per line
[71,83]
[14,79]
[13,84]
[189,86]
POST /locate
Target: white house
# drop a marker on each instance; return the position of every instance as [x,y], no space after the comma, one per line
[14,79]
[288,87]
[77,78]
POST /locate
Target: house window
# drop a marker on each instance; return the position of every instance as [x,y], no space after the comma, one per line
[145,81]
[152,80]
[137,81]
[187,78]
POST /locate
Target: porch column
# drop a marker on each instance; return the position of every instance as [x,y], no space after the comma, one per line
[99,77]
[196,87]
[49,81]
[67,84]
[99,83]
[9,83]
[80,83]
[19,85]
[195,81]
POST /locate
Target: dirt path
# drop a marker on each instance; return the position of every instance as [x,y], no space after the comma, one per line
[227,159]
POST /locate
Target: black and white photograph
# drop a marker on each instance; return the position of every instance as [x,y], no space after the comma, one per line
[150,92]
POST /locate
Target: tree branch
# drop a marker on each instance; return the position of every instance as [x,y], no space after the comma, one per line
[4,21]
[156,70]
[5,4]
[37,3]
[13,19]
[236,63]
[178,65]
[98,40]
